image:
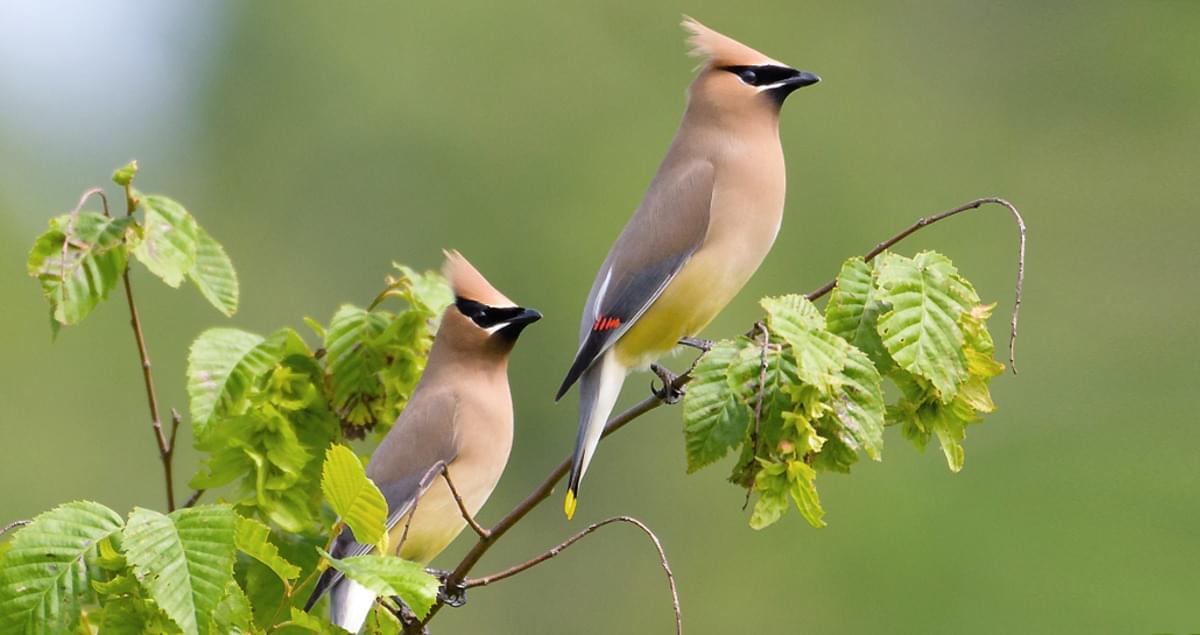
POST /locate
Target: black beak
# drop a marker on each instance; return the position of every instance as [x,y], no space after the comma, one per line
[526,316]
[518,322]
[802,79]
[785,88]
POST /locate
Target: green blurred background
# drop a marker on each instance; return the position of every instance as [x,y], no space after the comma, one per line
[320,143]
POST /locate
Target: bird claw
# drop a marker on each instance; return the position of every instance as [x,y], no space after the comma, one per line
[668,393]
[455,596]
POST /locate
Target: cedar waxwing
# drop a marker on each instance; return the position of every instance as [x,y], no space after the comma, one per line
[460,415]
[705,224]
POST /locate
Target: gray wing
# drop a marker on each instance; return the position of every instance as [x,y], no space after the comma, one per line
[668,227]
[403,467]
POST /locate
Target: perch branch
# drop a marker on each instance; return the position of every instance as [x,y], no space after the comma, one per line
[557,549]
[541,493]
[929,220]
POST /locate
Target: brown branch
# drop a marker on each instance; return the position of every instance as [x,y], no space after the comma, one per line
[541,493]
[164,448]
[557,549]
[194,497]
[762,388]
[929,220]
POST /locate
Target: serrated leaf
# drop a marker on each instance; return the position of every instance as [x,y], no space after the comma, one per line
[429,291]
[921,331]
[233,613]
[853,312]
[354,498]
[214,274]
[802,486]
[184,560]
[43,573]
[168,245]
[383,622]
[253,539]
[714,420]
[79,261]
[819,354]
[352,363]
[859,403]
[223,362]
[390,575]
[772,487]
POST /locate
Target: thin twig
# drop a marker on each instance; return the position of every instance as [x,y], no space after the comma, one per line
[929,220]
[13,525]
[557,549]
[164,448]
[408,523]
[194,497]
[462,506]
[95,191]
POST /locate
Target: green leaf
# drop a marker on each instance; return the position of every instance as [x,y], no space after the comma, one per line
[772,487]
[390,575]
[312,623]
[714,419]
[853,312]
[79,261]
[352,363]
[184,560]
[428,291]
[921,331]
[859,403]
[123,176]
[222,364]
[820,355]
[802,486]
[168,245]
[233,614]
[43,573]
[382,621]
[214,275]
[354,498]
[253,539]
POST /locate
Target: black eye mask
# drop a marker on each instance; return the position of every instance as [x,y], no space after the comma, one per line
[763,75]
[487,316]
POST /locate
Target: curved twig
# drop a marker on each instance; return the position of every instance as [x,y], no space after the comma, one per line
[929,220]
[557,549]
[13,525]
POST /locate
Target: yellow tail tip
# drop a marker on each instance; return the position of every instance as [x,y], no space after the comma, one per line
[569,505]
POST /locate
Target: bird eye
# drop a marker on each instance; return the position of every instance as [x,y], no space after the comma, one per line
[748,76]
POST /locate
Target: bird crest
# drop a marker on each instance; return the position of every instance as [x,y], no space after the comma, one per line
[468,283]
[717,50]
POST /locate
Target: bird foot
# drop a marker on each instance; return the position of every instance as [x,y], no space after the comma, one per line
[668,393]
[454,596]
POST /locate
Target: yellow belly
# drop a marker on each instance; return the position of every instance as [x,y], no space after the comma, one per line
[697,294]
[436,522]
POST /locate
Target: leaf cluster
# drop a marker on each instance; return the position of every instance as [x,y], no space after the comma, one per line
[805,392]
[81,567]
